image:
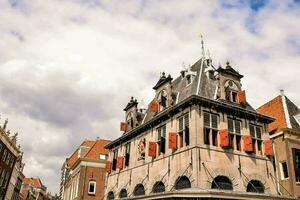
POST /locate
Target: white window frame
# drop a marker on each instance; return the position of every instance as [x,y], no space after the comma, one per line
[102,157]
[92,182]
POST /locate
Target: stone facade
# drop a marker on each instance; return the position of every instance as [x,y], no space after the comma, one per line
[196,145]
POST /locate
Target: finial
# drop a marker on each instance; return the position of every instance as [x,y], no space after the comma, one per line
[282,92]
[202,46]
[227,63]
[5,124]
[163,74]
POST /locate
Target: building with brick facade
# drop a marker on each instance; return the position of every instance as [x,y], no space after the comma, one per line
[11,165]
[83,173]
[285,133]
[34,189]
[198,139]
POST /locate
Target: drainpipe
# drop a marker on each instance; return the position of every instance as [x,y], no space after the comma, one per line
[276,170]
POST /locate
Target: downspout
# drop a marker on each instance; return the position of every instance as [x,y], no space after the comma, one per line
[276,172]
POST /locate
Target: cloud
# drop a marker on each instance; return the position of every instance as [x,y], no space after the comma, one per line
[69,67]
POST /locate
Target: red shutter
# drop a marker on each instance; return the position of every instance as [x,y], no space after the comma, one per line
[268,148]
[172,140]
[154,107]
[224,140]
[120,161]
[108,167]
[242,97]
[248,146]
[123,126]
[152,149]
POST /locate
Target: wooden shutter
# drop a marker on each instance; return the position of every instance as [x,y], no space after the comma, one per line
[152,149]
[248,146]
[108,167]
[120,162]
[123,126]
[242,97]
[154,107]
[172,140]
[224,140]
[268,148]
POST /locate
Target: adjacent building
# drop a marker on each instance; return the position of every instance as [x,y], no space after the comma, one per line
[198,139]
[285,133]
[11,165]
[83,173]
[33,189]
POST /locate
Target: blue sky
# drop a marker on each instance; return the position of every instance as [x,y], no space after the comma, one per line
[68,67]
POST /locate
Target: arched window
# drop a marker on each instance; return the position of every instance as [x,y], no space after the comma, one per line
[123,193]
[255,186]
[110,195]
[222,183]
[162,99]
[139,190]
[182,182]
[158,187]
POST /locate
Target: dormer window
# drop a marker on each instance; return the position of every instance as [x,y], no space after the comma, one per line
[189,79]
[129,120]
[162,100]
[231,91]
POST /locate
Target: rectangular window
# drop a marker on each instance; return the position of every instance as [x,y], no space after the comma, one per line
[102,157]
[183,130]
[234,133]
[92,187]
[284,170]
[256,132]
[127,154]
[296,159]
[114,163]
[161,139]
[210,128]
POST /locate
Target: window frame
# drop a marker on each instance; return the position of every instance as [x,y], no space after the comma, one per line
[183,132]
[127,154]
[95,184]
[284,175]
[256,141]
[211,129]
[234,135]
[161,138]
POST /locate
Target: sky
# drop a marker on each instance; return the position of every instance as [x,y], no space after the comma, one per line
[69,67]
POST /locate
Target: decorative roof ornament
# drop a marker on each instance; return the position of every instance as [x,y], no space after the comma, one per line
[5,124]
[202,46]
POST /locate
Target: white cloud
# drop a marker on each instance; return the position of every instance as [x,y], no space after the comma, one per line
[69,67]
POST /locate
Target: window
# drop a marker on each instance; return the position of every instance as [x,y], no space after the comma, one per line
[182,182]
[189,79]
[256,132]
[162,100]
[210,128]
[123,193]
[183,130]
[2,177]
[6,179]
[296,155]
[255,186]
[234,133]
[4,155]
[114,163]
[127,154]
[111,195]
[102,157]
[284,170]
[161,139]
[92,187]
[139,190]
[159,187]
[222,183]
[8,159]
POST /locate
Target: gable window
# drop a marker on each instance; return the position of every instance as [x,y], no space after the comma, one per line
[189,79]
[129,120]
[210,128]
[284,170]
[255,132]
[234,133]
[102,157]
[92,188]
[127,154]
[231,91]
[162,100]
[161,139]
[296,159]
[183,130]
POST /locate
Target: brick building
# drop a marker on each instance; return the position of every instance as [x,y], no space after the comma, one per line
[83,173]
[198,139]
[11,166]
[34,189]
[285,133]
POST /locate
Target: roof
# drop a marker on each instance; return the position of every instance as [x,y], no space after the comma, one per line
[93,148]
[163,79]
[36,182]
[130,104]
[284,112]
[202,89]
[230,70]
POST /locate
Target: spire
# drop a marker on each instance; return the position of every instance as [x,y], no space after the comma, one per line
[202,46]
